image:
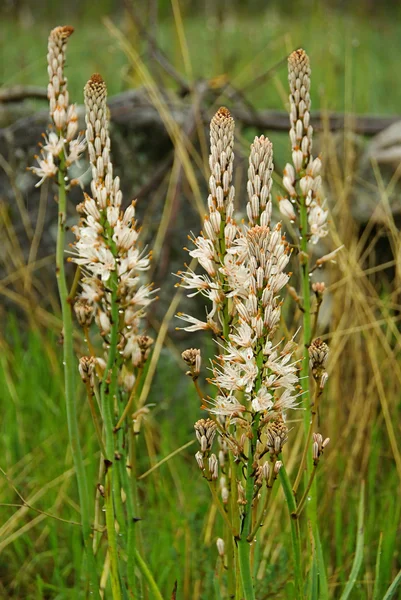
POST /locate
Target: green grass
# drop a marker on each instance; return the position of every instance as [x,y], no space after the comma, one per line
[353,66]
[40,562]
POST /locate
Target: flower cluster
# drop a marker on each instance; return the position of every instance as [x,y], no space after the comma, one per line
[106,243]
[304,170]
[256,379]
[61,142]
[251,363]
[259,207]
[212,246]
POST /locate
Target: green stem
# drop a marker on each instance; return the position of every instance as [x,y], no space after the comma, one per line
[219,505]
[295,531]
[232,534]
[306,493]
[70,368]
[111,535]
[243,544]
[156,595]
[136,542]
[262,515]
[98,429]
[107,404]
[307,449]
[130,401]
[131,541]
[307,332]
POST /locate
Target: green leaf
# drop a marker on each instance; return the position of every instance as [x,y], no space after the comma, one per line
[295,532]
[378,583]
[321,568]
[359,547]
[313,577]
[393,587]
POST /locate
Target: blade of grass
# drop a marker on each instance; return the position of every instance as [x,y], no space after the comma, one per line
[295,532]
[359,547]
[393,587]
[321,569]
[378,583]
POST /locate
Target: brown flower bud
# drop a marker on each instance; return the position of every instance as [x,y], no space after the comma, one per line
[277,435]
[86,369]
[205,430]
[192,357]
[318,354]
[84,312]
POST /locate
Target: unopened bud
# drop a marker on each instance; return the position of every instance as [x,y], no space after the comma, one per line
[192,357]
[318,446]
[145,343]
[297,159]
[84,312]
[319,287]
[59,117]
[266,471]
[128,381]
[225,494]
[318,353]
[220,546]
[205,430]
[199,460]
[86,369]
[287,209]
[241,494]
[213,467]
[328,257]
[277,435]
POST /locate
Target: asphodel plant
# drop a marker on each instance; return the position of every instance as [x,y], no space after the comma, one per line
[62,148]
[258,376]
[110,301]
[306,208]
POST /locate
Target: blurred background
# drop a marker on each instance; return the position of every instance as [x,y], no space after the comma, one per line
[169,64]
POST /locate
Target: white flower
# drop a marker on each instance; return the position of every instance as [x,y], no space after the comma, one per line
[237,275]
[142,296]
[124,237]
[54,144]
[205,254]
[244,336]
[76,148]
[197,325]
[226,406]
[236,375]
[91,290]
[286,401]
[263,400]
[46,168]
[133,261]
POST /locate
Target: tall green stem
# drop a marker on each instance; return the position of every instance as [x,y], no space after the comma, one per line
[70,368]
[295,532]
[307,332]
[243,544]
[131,541]
[134,556]
[111,535]
[107,401]
[156,595]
